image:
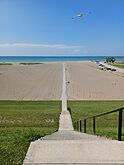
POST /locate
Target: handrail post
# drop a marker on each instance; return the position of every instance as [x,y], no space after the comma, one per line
[85,125]
[69,109]
[74,125]
[120,124]
[80,126]
[94,125]
[77,126]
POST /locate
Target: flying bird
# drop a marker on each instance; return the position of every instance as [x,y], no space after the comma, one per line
[81,15]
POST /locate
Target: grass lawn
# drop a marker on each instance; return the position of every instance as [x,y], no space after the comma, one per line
[119,65]
[105,125]
[22,122]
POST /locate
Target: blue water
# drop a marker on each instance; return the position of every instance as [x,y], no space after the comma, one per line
[55,58]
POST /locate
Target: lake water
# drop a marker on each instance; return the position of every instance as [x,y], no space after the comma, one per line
[56,58]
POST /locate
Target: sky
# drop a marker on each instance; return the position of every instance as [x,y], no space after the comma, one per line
[46,27]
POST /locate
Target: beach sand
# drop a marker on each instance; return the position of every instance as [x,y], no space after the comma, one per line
[31,82]
[44,82]
[88,82]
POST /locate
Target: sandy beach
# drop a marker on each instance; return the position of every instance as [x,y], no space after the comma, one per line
[31,82]
[88,82]
[44,82]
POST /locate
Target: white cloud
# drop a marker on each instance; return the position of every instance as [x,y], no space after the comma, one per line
[39,49]
[76,51]
[24,45]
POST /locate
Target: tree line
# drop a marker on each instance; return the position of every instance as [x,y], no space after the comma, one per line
[110,59]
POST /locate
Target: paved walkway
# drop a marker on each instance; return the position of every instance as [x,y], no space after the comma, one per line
[69,147]
[65,122]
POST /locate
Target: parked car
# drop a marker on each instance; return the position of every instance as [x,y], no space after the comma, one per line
[108,68]
[113,69]
[101,65]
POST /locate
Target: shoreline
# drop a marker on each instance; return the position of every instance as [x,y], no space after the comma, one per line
[43,62]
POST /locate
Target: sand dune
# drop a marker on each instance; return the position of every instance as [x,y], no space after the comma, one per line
[87,81]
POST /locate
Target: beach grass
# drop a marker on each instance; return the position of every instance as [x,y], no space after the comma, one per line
[119,65]
[30,63]
[106,125]
[22,122]
[3,63]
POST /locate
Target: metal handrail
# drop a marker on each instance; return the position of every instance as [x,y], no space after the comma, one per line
[106,113]
[78,124]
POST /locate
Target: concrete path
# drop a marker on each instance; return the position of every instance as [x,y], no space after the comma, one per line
[69,147]
[65,122]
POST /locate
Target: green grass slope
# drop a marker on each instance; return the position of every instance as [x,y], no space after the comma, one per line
[22,122]
[119,65]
